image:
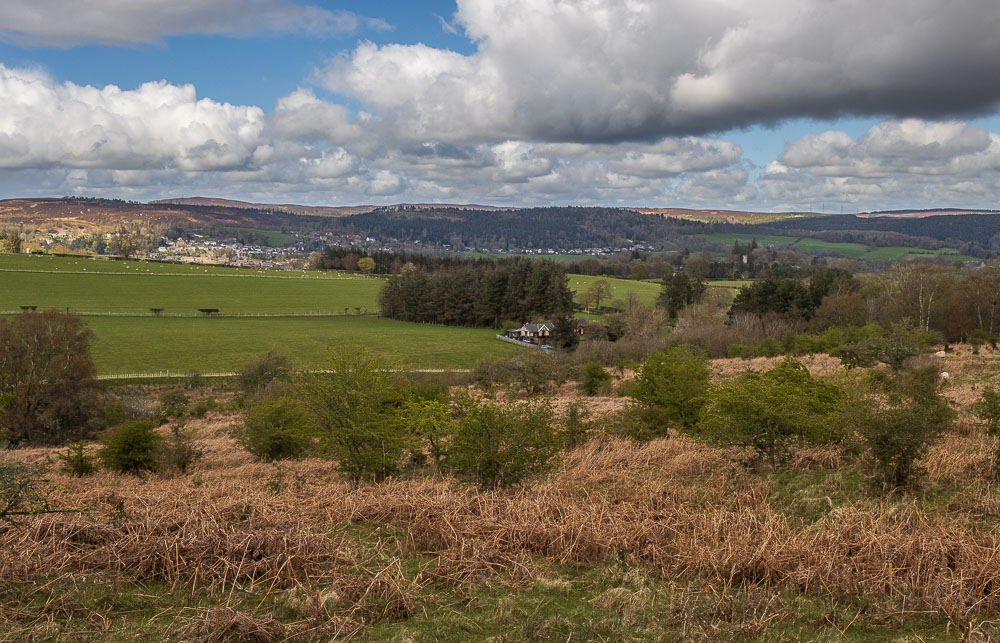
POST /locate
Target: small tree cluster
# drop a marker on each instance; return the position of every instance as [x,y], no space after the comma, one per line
[48,376]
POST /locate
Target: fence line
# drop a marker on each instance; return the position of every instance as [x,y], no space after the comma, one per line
[168,374]
[204,315]
[181,274]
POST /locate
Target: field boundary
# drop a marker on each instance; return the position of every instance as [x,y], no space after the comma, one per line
[169,375]
[193,274]
[202,315]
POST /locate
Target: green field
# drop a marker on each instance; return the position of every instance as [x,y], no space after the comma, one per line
[84,285]
[842,249]
[184,345]
[646,291]
[188,344]
[562,258]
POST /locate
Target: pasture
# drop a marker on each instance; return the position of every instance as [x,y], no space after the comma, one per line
[184,345]
[128,339]
[646,291]
[102,286]
[840,249]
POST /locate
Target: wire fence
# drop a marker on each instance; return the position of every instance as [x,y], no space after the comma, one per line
[199,315]
[175,374]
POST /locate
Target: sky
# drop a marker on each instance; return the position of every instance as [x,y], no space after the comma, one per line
[766,105]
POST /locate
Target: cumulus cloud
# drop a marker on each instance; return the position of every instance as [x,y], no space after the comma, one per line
[46,123]
[895,163]
[606,70]
[59,23]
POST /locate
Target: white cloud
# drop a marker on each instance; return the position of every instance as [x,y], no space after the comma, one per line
[45,123]
[909,163]
[607,70]
[62,23]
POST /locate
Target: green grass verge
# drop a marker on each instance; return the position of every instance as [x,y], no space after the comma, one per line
[184,345]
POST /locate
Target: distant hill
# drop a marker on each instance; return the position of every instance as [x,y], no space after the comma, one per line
[319,210]
[916,214]
[105,214]
[291,208]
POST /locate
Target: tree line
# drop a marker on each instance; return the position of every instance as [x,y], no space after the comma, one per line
[478,293]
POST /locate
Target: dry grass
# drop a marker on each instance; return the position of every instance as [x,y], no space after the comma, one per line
[676,508]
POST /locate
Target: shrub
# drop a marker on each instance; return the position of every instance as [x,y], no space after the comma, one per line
[900,423]
[201,409]
[593,378]
[179,450]
[21,494]
[76,461]
[987,409]
[977,338]
[354,409]
[258,374]
[431,422]
[132,447]
[893,348]
[173,403]
[768,411]
[533,371]
[500,443]
[576,425]
[671,388]
[276,429]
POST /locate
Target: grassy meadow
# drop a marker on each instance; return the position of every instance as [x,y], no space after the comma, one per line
[148,344]
[842,249]
[645,291]
[84,285]
[184,345]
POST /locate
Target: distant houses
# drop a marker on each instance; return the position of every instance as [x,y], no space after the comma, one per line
[541,332]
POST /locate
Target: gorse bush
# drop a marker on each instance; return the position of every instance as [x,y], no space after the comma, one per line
[276,429]
[76,461]
[431,423]
[900,422]
[593,378]
[987,409]
[258,374]
[132,447]
[769,411]
[577,425]
[500,443]
[671,389]
[180,451]
[173,403]
[354,411]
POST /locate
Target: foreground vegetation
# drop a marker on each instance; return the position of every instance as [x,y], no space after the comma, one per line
[668,537]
